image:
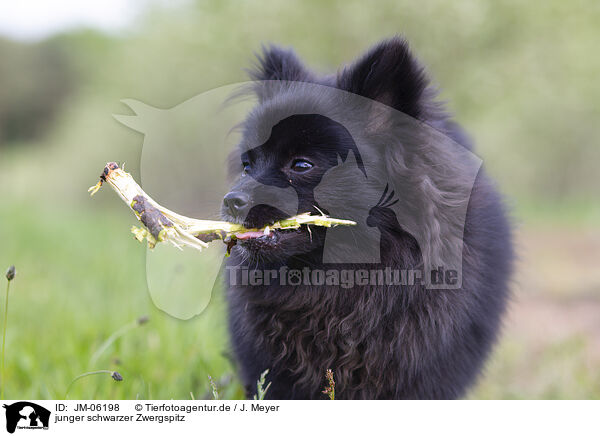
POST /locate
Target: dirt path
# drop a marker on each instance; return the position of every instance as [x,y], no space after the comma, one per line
[557,287]
[550,347]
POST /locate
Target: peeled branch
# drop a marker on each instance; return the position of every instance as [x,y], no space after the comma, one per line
[163,225]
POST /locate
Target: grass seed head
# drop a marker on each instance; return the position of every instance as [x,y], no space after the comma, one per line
[10,273]
[330,389]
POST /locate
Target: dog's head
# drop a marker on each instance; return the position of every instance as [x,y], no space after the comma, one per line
[304,126]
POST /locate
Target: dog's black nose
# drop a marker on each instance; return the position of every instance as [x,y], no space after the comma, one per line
[236,202]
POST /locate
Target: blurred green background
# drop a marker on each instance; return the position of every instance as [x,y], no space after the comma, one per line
[522,77]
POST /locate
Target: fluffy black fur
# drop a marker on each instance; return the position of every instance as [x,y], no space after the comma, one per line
[382,342]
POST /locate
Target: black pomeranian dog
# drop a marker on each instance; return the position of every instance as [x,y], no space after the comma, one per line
[372,145]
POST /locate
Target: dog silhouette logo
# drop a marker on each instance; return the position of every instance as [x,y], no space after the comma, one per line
[393,175]
[26,415]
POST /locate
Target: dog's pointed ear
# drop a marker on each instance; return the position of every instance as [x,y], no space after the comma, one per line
[276,63]
[389,74]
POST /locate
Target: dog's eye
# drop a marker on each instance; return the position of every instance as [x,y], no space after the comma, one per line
[245,167]
[301,165]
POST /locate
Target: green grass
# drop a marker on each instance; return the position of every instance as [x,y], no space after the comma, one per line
[520,370]
[81,278]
